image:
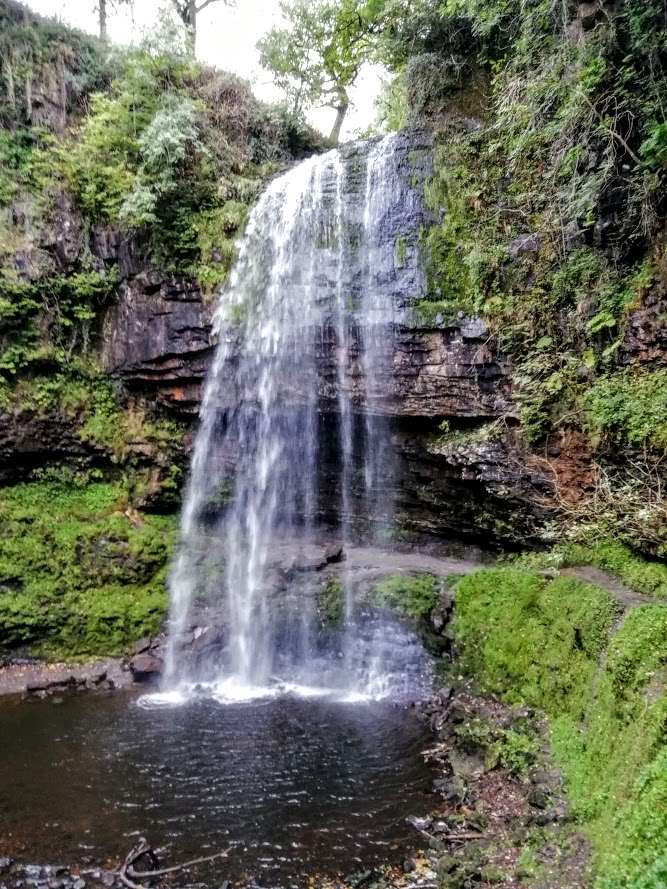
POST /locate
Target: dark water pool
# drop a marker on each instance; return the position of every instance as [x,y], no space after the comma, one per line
[298,786]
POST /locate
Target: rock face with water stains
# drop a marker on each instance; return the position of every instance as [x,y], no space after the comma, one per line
[449,373]
[646,336]
[158,341]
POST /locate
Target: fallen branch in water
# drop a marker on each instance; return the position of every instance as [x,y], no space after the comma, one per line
[129,876]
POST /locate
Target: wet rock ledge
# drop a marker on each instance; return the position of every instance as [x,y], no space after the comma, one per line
[36,679]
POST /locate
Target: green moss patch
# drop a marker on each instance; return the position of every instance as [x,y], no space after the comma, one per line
[409,596]
[629,407]
[413,596]
[548,644]
[331,602]
[535,641]
[80,574]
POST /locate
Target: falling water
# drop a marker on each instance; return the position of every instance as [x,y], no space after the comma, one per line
[305,330]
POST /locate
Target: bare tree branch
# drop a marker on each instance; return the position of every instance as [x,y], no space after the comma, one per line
[206,3]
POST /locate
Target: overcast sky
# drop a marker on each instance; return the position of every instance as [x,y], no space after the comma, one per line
[226,38]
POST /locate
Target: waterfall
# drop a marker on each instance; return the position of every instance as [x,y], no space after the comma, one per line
[302,371]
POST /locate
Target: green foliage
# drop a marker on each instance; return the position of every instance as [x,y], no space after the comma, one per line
[654,149]
[610,770]
[86,394]
[19,161]
[629,408]
[318,55]
[541,642]
[331,602]
[639,861]
[216,230]
[108,424]
[411,596]
[132,145]
[515,748]
[569,124]
[392,104]
[517,751]
[559,318]
[98,167]
[221,498]
[44,53]
[638,573]
[413,28]
[173,147]
[164,145]
[77,575]
[445,245]
[46,320]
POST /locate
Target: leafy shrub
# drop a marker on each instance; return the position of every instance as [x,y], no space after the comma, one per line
[629,408]
[654,149]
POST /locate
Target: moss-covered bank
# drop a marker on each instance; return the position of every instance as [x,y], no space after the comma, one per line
[81,572]
[557,645]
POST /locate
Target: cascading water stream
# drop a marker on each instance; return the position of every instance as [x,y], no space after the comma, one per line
[305,330]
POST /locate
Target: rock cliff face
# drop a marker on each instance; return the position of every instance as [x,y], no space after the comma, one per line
[28,441]
[447,373]
[156,341]
[646,336]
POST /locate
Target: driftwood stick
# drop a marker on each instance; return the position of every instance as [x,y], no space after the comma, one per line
[172,870]
[464,835]
[129,876]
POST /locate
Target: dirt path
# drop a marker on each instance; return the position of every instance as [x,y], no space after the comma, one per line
[628,597]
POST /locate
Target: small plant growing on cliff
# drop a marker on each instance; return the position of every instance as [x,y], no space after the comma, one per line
[331,602]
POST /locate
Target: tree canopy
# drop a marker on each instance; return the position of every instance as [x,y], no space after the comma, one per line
[319,53]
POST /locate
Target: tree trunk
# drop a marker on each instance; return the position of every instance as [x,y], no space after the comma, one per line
[341,111]
[9,77]
[102,9]
[191,25]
